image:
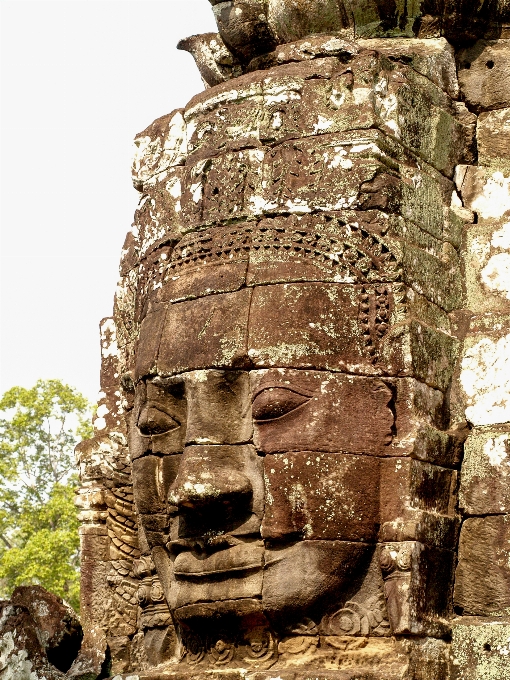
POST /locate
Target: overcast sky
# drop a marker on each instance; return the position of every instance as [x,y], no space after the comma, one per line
[79,78]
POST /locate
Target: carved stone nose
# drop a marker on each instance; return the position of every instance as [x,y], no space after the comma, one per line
[211,476]
[219,407]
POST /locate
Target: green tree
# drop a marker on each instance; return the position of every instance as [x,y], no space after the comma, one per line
[39,428]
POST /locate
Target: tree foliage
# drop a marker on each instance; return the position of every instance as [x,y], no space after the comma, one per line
[39,428]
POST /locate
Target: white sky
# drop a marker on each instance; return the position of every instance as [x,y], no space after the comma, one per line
[79,78]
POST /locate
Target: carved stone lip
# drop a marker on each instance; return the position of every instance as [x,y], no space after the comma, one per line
[238,558]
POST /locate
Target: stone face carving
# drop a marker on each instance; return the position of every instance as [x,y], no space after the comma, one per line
[251,28]
[274,479]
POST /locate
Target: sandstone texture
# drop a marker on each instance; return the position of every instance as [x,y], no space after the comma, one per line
[40,635]
[299,466]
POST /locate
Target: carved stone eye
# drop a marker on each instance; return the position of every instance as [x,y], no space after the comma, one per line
[153,421]
[275,402]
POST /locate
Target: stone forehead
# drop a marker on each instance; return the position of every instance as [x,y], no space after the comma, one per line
[302,325]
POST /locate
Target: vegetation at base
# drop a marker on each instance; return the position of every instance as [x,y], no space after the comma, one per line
[39,428]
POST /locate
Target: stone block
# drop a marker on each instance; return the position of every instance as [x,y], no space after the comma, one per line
[480,648]
[219,407]
[187,588]
[158,418]
[485,371]
[158,215]
[127,325]
[214,479]
[484,74]
[433,58]
[94,546]
[321,496]
[205,279]
[307,572]
[437,279]
[411,484]
[428,658]
[484,191]
[318,411]
[149,281]
[487,266]
[389,341]
[418,580]
[493,136]
[160,146]
[424,527]
[482,579]
[484,482]
[342,247]
[204,198]
[209,332]
[360,169]
[119,650]
[146,352]
[145,485]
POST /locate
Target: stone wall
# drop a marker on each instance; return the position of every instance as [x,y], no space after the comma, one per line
[481,634]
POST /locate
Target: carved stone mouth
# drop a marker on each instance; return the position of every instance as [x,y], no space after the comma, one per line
[239,558]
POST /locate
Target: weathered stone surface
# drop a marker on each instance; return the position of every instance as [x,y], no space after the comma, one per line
[332,340]
[308,574]
[158,418]
[484,74]
[58,627]
[484,191]
[341,247]
[324,96]
[40,636]
[484,487]
[493,136]
[158,216]
[418,584]
[91,661]
[249,27]
[205,333]
[487,264]
[213,59]
[219,410]
[482,580]
[484,377]
[480,648]
[317,411]
[161,146]
[306,175]
[410,484]
[321,496]
[149,340]
[434,59]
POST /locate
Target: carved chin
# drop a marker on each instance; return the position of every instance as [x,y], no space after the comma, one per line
[296,580]
[309,575]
